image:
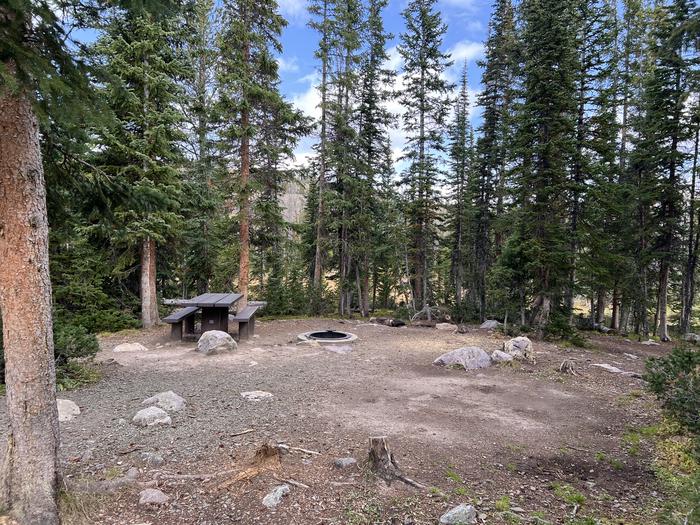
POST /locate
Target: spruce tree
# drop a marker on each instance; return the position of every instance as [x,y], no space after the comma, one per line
[496,99]
[248,91]
[545,144]
[141,64]
[425,99]
[459,183]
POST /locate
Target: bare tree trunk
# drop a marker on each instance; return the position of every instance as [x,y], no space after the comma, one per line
[149,295]
[30,473]
[688,291]
[663,301]
[600,307]
[615,317]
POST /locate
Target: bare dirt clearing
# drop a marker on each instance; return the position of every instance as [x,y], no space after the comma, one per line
[521,432]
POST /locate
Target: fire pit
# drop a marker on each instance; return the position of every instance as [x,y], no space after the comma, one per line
[328,336]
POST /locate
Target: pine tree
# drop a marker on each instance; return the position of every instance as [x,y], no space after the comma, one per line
[142,63]
[461,197]
[425,98]
[373,121]
[662,130]
[248,91]
[545,145]
[496,99]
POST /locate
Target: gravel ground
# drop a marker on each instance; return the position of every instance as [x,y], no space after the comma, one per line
[506,431]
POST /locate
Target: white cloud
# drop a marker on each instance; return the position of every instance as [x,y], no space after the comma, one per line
[308,100]
[466,50]
[288,65]
[294,10]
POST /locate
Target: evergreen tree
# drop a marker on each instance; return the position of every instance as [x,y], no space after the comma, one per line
[460,184]
[545,145]
[425,98]
[248,91]
[141,64]
[496,99]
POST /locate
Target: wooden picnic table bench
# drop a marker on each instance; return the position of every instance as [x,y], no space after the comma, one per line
[183,316]
[246,321]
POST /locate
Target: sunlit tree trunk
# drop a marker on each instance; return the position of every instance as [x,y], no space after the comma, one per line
[30,470]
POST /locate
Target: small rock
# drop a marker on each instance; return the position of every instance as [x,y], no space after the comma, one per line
[501,357]
[691,338]
[445,326]
[490,325]
[215,342]
[518,347]
[169,401]
[256,395]
[470,357]
[462,328]
[121,421]
[153,497]
[609,368]
[67,410]
[150,416]
[132,473]
[153,459]
[460,515]
[650,342]
[274,497]
[130,347]
[345,462]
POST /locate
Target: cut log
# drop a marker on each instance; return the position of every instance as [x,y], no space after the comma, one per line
[384,465]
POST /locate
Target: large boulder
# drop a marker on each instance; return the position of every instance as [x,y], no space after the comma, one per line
[460,515]
[150,416]
[67,410]
[169,401]
[215,342]
[519,348]
[470,357]
[130,347]
[490,324]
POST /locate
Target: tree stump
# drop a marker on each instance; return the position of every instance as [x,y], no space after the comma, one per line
[383,463]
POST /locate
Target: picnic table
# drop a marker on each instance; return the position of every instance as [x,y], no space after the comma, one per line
[214,308]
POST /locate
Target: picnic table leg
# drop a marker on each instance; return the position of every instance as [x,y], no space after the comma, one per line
[210,319]
[223,319]
[176,331]
[188,327]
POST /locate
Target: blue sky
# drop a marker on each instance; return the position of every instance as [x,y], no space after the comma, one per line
[467,22]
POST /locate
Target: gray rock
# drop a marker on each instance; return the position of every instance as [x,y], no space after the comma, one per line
[130,347]
[256,395]
[153,459]
[692,338]
[169,401]
[470,357]
[67,410]
[518,347]
[650,342]
[501,357]
[445,326]
[490,325]
[153,497]
[274,497]
[150,416]
[460,515]
[132,473]
[345,462]
[215,342]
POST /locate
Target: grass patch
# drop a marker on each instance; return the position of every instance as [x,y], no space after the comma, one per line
[568,494]
[503,504]
[74,375]
[78,508]
[452,475]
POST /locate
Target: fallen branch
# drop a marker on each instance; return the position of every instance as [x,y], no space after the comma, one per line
[292,482]
[248,431]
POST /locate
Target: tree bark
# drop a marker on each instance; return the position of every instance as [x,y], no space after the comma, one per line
[149,295]
[663,301]
[30,474]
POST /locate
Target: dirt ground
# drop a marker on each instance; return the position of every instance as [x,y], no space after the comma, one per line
[523,443]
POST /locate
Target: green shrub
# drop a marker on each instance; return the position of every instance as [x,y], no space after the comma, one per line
[675,379]
[72,341]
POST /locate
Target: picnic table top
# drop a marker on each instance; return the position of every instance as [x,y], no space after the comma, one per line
[212,300]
